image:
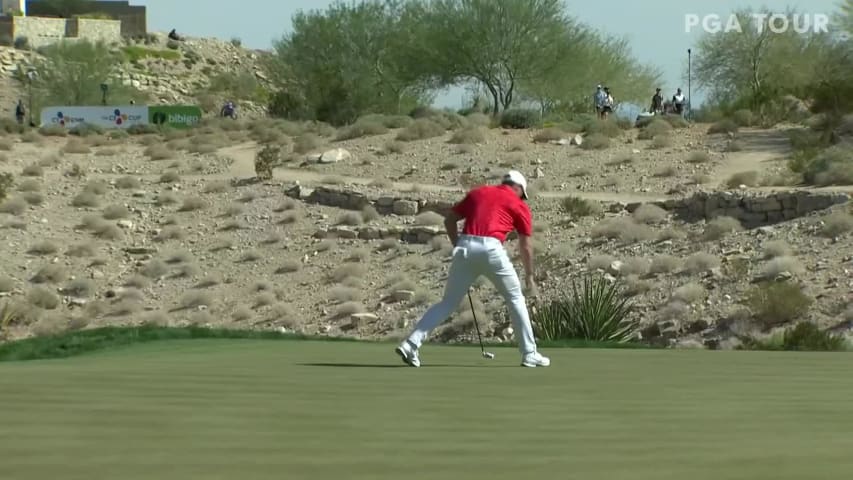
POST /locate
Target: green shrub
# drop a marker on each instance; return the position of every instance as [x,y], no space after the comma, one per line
[777,303]
[136,53]
[265,160]
[744,118]
[520,118]
[598,311]
[726,125]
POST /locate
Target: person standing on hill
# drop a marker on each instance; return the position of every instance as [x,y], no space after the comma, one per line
[599,100]
[657,102]
[678,101]
[490,213]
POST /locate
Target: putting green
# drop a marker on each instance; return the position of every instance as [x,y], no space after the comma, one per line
[232,409]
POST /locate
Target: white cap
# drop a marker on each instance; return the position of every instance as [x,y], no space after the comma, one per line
[517,178]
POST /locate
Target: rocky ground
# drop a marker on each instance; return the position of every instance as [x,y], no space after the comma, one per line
[174,230]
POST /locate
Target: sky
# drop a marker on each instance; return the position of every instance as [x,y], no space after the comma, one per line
[656,29]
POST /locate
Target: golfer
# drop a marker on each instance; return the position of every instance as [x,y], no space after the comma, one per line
[490,213]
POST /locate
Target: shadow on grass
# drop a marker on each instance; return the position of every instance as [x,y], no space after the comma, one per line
[79,342]
[378,365]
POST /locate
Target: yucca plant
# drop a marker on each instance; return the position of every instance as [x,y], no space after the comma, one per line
[597,312]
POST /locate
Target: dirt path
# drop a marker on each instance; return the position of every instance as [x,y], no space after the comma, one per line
[761,148]
[244,167]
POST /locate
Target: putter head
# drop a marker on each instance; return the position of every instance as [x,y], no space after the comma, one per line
[488,355]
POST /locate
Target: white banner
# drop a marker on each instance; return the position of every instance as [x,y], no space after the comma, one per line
[105,117]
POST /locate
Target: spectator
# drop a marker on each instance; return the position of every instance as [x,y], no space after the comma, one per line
[600,98]
[20,112]
[607,107]
[678,101]
[657,102]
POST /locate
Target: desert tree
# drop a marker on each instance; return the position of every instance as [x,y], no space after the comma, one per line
[349,60]
[499,44]
[70,73]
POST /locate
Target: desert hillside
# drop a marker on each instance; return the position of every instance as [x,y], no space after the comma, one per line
[174,228]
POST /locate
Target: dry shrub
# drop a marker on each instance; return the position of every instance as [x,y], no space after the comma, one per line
[80,288]
[195,299]
[32,170]
[701,262]
[654,129]
[468,136]
[170,232]
[285,205]
[341,294]
[192,204]
[33,198]
[394,147]
[698,157]
[29,185]
[137,281]
[388,244]
[51,273]
[159,152]
[155,268]
[650,214]
[233,225]
[600,262]
[42,298]
[782,265]
[420,129]
[596,141]
[661,142]
[776,248]
[635,266]
[350,218]
[128,183]
[666,172]
[836,224]
[76,146]
[429,218]
[749,179]
[216,186]
[548,135]
[284,315]
[289,218]
[31,137]
[170,177]
[332,180]
[634,286]
[13,206]
[115,212]
[719,227]
[306,143]
[690,293]
[107,231]
[624,229]
[264,300]
[96,187]
[44,247]
[251,256]
[85,199]
[664,264]
[166,198]
[241,313]
[288,266]
[349,308]
[6,285]
[699,179]
[358,255]
[381,183]
[348,271]
[361,128]
[50,324]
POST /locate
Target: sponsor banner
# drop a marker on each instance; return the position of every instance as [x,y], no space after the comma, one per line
[177,116]
[105,117]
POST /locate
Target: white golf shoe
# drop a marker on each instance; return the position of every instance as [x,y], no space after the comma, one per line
[535,359]
[409,354]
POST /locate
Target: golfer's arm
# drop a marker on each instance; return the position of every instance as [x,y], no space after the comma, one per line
[451,224]
[525,247]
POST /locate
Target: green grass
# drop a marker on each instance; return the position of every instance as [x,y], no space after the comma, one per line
[135,53]
[259,409]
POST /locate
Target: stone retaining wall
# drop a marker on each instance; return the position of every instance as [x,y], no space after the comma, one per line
[352,200]
[751,210]
[407,234]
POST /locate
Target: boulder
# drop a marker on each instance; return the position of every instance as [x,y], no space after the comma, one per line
[334,156]
[577,140]
[405,207]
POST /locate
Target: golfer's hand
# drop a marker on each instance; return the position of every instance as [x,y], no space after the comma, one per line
[532,289]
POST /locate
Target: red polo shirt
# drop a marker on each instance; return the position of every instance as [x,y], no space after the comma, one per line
[494,211]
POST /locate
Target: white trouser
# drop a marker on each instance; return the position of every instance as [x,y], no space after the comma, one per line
[474,256]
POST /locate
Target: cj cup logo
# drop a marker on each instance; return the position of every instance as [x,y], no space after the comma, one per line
[121,118]
[63,119]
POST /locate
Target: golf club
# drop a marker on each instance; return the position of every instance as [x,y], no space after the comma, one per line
[486,354]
